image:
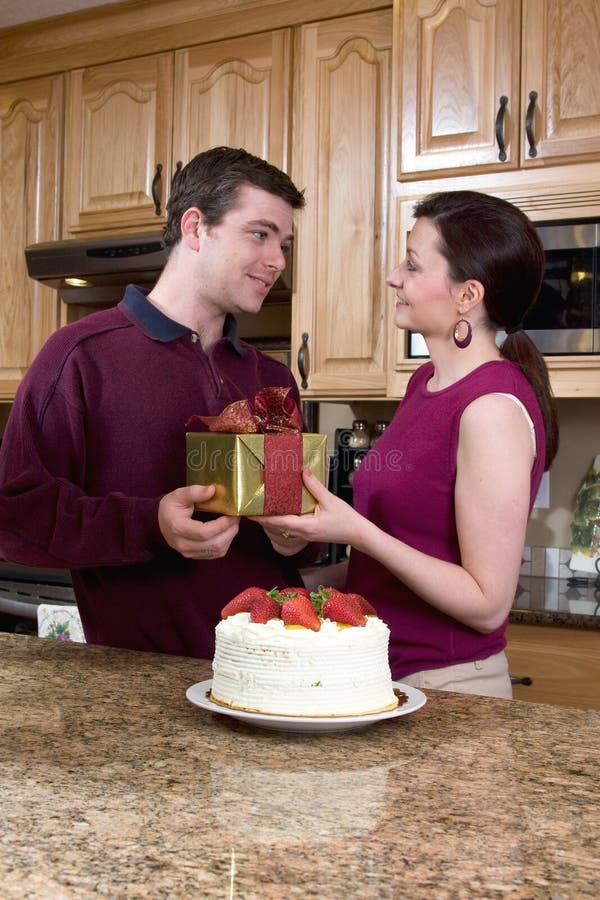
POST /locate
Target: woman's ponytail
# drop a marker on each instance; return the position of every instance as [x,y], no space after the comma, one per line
[520,349]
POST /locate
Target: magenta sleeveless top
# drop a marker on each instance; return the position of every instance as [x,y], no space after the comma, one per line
[405,485]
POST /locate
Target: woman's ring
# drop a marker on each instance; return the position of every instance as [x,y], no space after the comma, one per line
[286,534]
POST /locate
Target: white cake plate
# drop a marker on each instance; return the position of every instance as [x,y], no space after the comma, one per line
[199,695]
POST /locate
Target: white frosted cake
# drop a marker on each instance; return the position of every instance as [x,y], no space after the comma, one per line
[274,668]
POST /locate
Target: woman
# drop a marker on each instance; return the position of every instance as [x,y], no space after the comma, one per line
[441,502]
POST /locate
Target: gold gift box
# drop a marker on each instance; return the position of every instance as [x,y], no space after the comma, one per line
[235,463]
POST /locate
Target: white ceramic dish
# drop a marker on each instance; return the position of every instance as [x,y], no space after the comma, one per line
[198,694]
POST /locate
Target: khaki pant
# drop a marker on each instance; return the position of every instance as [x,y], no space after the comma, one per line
[487,677]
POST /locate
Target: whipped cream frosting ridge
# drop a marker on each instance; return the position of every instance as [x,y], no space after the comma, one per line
[271,668]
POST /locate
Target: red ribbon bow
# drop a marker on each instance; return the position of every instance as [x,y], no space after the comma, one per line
[274,412]
[276,416]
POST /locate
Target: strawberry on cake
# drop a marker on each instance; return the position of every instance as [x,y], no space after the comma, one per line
[294,653]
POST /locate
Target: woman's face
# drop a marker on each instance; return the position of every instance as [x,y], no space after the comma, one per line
[426,298]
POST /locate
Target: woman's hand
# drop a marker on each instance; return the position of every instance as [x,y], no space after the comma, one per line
[193,539]
[332,521]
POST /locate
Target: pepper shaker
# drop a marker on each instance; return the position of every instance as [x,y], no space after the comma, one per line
[380,426]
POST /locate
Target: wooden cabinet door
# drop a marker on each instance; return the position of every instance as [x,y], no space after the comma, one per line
[234,93]
[341,129]
[562,663]
[560,92]
[117,154]
[457,75]
[31,119]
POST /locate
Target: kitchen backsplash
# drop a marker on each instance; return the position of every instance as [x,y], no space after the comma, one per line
[546,562]
[546,583]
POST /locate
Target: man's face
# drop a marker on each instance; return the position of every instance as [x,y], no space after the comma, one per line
[240,259]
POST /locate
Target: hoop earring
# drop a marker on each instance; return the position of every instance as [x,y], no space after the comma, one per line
[462,342]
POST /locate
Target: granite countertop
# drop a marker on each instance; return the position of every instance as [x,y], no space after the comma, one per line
[113,785]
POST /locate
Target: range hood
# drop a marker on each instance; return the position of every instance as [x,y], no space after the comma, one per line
[95,270]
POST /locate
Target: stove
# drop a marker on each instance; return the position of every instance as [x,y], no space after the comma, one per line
[23,589]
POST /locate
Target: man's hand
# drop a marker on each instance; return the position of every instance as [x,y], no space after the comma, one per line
[194,540]
[284,543]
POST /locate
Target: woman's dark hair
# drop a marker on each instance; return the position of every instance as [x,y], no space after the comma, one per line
[212,180]
[490,240]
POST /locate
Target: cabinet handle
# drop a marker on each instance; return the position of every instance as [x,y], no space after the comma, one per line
[525,679]
[500,128]
[529,124]
[176,173]
[155,184]
[304,361]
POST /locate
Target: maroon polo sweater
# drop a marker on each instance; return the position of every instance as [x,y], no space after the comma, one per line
[95,438]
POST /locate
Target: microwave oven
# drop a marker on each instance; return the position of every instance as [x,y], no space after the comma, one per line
[565,318]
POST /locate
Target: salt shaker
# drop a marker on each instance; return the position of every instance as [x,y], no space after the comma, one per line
[359,439]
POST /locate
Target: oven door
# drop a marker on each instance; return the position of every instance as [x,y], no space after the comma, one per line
[566,316]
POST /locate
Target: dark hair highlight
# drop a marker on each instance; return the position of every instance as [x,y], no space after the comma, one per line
[491,241]
[212,181]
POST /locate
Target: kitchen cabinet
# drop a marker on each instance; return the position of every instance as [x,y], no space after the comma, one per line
[133,123]
[563,663]
[118,147]
[31,119]
[490,85]
[341,157]
[234,93]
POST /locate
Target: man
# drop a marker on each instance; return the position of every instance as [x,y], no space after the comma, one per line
[93,457]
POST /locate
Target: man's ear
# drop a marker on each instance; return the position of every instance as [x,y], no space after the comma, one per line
[191,221]
[471,293]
